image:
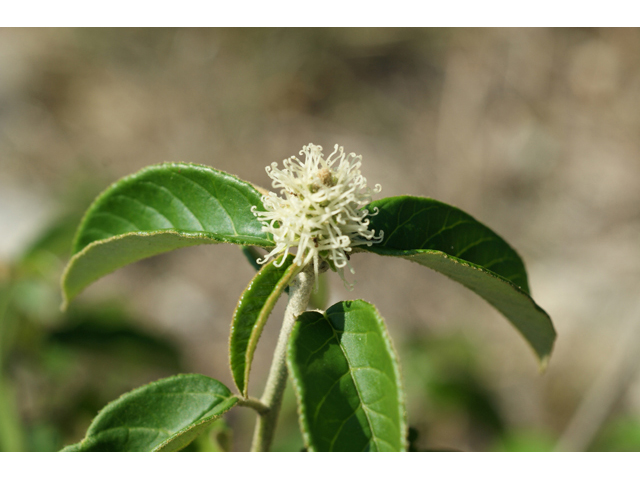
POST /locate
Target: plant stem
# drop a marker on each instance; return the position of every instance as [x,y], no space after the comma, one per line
[254,403]
[299,293]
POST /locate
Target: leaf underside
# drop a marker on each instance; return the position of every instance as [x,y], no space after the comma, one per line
[251,314]
[452,242]
[347,380]
[159,209]
[162,416]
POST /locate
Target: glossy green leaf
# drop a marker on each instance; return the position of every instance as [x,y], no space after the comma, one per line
[251,314]
[158,209]
[347,380]
[452,242]
[162,416]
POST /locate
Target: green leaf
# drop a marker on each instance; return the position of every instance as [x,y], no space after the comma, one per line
[347,380]
[452,242]
[162,416]
[159,209]
[251,314]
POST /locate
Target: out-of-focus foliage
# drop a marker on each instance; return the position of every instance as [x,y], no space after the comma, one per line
[57,370]
[621,434]
[518,440]
[446,387]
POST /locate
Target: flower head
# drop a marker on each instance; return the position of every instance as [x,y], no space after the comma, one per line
[319,210]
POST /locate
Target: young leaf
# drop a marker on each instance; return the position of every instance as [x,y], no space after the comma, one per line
[254,307]
[452,242]
[347,380]
[158,209]
[162,416]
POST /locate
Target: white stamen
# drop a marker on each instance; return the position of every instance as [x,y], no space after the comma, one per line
[319,208]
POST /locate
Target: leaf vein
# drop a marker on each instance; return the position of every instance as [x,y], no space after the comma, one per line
[173,195]
[226,212]
[133,199]
[355,384]
[115,215]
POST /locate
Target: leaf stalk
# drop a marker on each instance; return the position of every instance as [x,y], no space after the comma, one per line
[254,403]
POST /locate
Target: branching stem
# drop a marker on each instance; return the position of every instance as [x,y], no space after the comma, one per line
[299,294]
[254,403]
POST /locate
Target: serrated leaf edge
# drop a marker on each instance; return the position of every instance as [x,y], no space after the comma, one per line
[126,179]
[208,238]
[543,360]
[265,312]
[396,366]
[211,419]
[452,207]
[86,437]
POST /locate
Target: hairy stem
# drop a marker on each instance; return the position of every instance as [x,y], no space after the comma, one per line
[299,293]
[254,403]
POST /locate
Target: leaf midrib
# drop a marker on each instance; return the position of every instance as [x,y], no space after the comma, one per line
[409,253]
[374,437]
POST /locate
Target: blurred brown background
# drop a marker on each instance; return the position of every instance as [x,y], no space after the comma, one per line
[534,132]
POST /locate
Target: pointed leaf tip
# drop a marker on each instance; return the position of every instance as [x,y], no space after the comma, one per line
[452,242]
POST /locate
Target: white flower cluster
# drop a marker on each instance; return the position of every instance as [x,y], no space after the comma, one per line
[319,211]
